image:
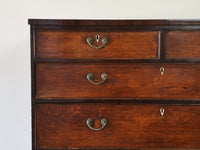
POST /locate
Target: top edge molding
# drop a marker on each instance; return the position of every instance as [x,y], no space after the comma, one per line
[68,22]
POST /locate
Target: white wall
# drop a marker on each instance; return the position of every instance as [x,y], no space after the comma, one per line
[15,99]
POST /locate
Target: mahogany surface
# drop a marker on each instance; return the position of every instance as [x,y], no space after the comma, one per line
[65,81]
[129,125]
[183,44]
[133,94]
[73,44]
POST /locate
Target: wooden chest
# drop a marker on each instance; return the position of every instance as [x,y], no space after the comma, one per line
[115,84]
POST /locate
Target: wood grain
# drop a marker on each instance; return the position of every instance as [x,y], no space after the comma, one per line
[129,126]
[68,22]
[183,44]
[131,98]
[139,22]
[138,81]
[63,44]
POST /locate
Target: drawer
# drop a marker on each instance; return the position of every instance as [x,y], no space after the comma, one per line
[62,126]
[63,44]
[183,44]
[137,81]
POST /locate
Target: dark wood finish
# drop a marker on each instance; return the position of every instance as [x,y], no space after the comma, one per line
[162,44]
[60,44]
[183,22]
[118,100]
[95,22]
[183,44]
[129,125]
[112,22]
[33,87]
[124,81]
[121,149]
[118,61]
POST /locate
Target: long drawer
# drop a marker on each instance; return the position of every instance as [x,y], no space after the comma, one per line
[64,44]
[138,81]
[125,125]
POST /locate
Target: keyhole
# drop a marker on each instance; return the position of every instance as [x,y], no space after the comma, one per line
[162,70]
[162,111]
[97,38]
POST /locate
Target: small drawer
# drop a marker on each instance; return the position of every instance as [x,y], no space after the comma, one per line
[63,44]
[137,81]
[183,44]
[112,125]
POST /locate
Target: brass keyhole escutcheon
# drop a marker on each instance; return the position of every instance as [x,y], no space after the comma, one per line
[162,111]
[90,41]
[162,69]
[97,38]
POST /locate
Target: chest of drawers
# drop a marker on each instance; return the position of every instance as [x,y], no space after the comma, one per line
[115,84]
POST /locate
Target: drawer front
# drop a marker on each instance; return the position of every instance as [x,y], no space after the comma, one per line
[128,126]
[71,44]
[65,81]
[183,44]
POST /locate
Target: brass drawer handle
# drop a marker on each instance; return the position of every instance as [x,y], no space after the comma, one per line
[90,77]
[90,41]
[90,123]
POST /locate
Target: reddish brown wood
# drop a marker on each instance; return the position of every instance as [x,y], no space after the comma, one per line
[183,44]
[129,126]
[133,94]
[72,44]
[124,81]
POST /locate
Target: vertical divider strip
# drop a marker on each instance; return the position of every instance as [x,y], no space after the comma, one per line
[159,47]
[162,44]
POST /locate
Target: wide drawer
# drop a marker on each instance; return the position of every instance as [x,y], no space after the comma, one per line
[183,44]
[63,44]
[138,81]
[128,126]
